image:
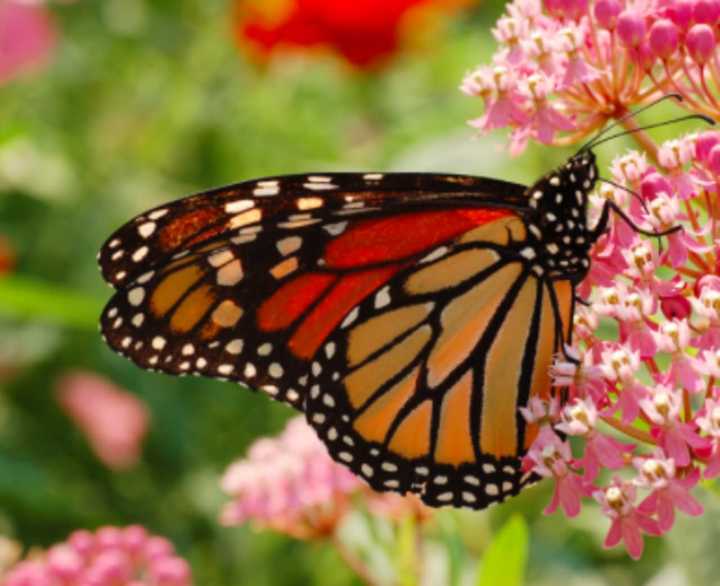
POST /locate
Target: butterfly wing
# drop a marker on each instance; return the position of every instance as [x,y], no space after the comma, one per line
[245,283]
[419,389]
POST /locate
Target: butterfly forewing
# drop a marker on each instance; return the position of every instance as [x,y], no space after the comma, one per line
[246,283]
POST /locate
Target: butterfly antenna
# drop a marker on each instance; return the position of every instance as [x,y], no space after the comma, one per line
[655,125]
[588,145]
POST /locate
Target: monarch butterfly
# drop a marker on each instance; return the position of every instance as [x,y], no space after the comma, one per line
[408,315]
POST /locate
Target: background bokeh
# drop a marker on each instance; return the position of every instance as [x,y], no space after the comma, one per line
[135,102]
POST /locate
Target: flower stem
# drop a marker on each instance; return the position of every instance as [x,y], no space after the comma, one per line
[629,430]
[640,136]
[353,562]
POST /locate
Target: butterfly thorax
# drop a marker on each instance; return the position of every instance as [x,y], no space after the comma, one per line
[557,223]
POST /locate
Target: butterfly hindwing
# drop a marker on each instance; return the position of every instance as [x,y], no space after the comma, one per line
[206,288]
[418,390]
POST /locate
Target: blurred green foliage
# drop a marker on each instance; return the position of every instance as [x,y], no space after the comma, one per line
[148,100]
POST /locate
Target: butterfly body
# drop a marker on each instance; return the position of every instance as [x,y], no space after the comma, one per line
[407,315]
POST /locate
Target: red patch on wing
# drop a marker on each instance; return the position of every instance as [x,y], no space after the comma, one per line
[189,225]
[289,301]
[345,295]
[376,241]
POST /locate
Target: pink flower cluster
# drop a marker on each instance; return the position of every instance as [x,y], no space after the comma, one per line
[109,557]
[291,484]
[569,66]
[642,394]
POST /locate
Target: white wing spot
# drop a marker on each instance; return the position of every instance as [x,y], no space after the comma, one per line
[289,245]
[435,254]
[140,253]
[266,190]
[220,258]
[144,278]
[117,255]
[555,181]
[136,296]
[319,186]
[367,470]
[488,468]
[201,363]
[231,274]
[146,230]
[188,350]
[373,176]
[335,229]
[114,243]
[316,368]
[250,370]
[158,342]
[245,218]
[225,369]
[138,319]
[492,489]
[157,214]
[276,370]
[234,347]
[382,298]
[445,497]
[329,349]
[309,203]
[351,317]
[238,206]
[265,349]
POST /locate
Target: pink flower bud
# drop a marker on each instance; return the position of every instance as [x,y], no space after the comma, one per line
[653,184]
[606,13]
[704,142]
[631,28]
[706,11]
[663,38]
[680,12]
[713,160]
[700,42]
[675,307]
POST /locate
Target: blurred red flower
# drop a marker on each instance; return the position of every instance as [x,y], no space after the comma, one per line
[366,33]
[114,421]
[27,37]
[7,256]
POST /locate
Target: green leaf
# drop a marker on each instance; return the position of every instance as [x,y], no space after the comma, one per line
[505,560]
[23,297]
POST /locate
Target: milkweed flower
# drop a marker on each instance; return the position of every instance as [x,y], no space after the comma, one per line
[108,557]
[291,484]
[596,60]
[654,423]
[365,33]
[114,421]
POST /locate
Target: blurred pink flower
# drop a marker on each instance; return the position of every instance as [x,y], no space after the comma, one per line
[114,421]
[111,556]
[27,37]
[291,484]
